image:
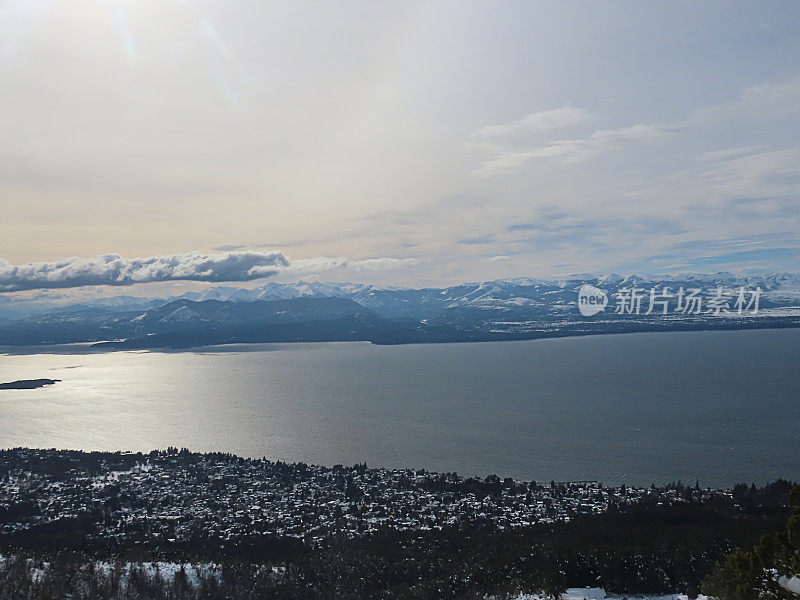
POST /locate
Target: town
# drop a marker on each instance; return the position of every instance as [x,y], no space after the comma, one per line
[176,495]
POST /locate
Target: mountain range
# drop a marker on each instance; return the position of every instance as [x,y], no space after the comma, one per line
[519,308]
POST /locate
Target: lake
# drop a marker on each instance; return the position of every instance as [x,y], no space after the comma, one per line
[719,406]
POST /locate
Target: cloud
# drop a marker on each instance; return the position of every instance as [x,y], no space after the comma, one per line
[727,153]
[545,120]
[603,140]
[787,91]
[332,263]
[229,247]
[113,269]
[753,178]
[478,240]
[766,101]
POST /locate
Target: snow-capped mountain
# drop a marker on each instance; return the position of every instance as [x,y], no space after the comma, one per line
[780,289]
[518,308]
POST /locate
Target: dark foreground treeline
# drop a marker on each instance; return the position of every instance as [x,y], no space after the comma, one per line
[637,549]
[763,573]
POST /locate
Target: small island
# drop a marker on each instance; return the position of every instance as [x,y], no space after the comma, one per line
[27,384]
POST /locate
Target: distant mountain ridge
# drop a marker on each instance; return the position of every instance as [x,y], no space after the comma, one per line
[395,301]
[518,308]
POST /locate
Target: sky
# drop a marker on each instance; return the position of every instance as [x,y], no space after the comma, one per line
[151,143]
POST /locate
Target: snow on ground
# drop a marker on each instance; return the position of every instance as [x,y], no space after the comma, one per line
[165,570]
[168,570]
[791,584]
[600,594]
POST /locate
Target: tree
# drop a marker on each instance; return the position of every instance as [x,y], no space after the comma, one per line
[756,574]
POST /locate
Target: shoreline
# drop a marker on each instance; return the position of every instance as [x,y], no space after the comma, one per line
[103,347]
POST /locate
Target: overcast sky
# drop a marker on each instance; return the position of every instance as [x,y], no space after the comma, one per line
[448,141]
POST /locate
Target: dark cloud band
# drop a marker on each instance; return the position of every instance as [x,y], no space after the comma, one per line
[113,269]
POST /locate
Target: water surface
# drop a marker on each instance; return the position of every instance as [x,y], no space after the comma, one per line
[720,406]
